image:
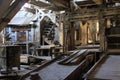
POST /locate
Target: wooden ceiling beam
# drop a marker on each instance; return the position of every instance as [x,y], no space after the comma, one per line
[11,11]
[98,1]
[4,4]
[46,5]
[116,1]
[94,13]
[60,3]
[40,4]
[85,3]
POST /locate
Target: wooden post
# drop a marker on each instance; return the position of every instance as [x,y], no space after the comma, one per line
[102,25]
[65,40]
[72,36]
[83,32]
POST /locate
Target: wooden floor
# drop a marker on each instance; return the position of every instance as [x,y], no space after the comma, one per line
[109,69]
[56,71]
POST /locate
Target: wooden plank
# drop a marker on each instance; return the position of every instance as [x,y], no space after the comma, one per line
[4,5]
[40,4]
[75,59]
[45,47]
[11,11]
[98,1]
[55,71]
[107,69]
[94,13]
[95,66]
[85,3]
[88,47]
[59,3]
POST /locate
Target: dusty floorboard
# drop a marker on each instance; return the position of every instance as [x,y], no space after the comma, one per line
[109,69]
[56,71]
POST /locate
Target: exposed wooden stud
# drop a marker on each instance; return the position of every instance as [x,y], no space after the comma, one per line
[85,3]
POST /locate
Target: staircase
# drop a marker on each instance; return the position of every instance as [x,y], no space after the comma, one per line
[48,33]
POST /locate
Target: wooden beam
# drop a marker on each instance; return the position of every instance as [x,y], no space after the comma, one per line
[5,20]
[85,3]
[72,36]
[32,10]
[4,4]
[116,0]
[59,3]
[40,4]
[11,11]
[46,5]
[102,25]
[93,13]
[98,1]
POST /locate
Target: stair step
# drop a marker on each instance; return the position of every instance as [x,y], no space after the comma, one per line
[47,28]
[46,31]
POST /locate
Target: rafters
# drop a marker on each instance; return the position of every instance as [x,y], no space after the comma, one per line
[59,3]
[94,13]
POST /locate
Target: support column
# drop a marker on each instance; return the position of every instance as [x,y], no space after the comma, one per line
[65,36]
[32,32]
[72,36]
[102,25]
[65,25]
[83,26]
